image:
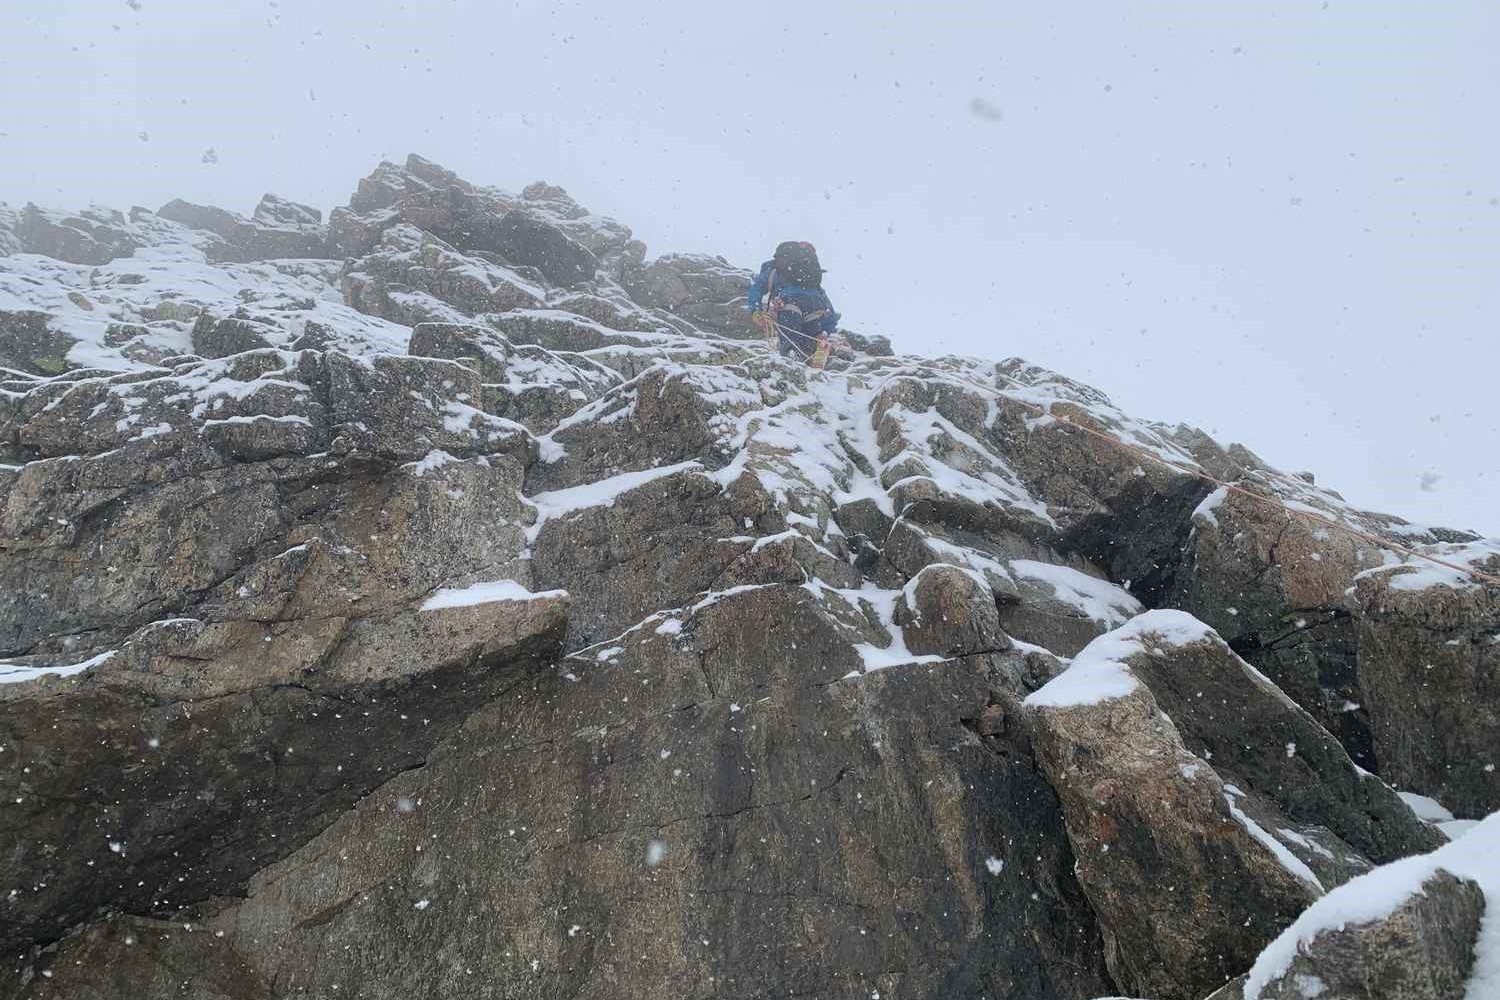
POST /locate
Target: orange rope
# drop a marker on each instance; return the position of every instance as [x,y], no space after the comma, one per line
[1150,456]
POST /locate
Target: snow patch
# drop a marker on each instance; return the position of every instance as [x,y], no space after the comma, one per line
[1376,894]
[15,673]
[485,593]
[1099,672]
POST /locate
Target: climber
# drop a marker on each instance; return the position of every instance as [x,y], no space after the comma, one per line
[787,303]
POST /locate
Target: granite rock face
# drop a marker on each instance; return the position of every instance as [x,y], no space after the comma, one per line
[448,599]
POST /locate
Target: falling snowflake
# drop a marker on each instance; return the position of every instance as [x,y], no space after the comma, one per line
[984,109]
[995,865]
[134,5]
[210,155]
[144,136]
[655,851]
[1429,481]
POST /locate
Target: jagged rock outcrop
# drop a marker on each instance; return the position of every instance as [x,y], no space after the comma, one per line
[234,563]
[29,344]
[279,228]
[1233,716]
[1188,888]
[1418,929]
[93,236]
[1430,666]
[1425,948]
[449,600]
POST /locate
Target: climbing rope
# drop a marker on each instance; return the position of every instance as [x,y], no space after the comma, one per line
[810,360]
[1150,456]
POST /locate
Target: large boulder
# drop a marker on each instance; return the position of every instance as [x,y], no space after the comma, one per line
[1273,584]
[707,798]
[949,611]
[29,343]
[668,415]
[1187,887]
[707,290]
[410,261]
[1231,714]
[93,236]
[275,210]
[297,597]
[1419,929]
[528,239]
[176,479]
[1423,950]
[172,769]
[1430,670]
[280,229]
[220,337]
[634,543]
[531,385]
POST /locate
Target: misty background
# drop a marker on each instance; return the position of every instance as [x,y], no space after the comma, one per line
[1279,221]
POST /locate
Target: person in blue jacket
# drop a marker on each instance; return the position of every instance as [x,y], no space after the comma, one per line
[787,299]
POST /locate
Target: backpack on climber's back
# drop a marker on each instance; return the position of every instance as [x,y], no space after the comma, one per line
[797,264]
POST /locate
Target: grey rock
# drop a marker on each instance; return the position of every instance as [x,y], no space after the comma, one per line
[409,260]
[219,338]
[354,235]
[269,236]
[275,210]
[1275,589]
[212,747]
[261,652]
[1186,897]
[527,239]
[1424,950]
[873,344]
[950,612]
[528,384]
[1231,714]
[94,236]
[656,546]
[28,343]
[656,795]
[138,957]
[384,188]
[1429,666]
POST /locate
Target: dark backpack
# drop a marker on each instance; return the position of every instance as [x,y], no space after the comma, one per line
[797,264]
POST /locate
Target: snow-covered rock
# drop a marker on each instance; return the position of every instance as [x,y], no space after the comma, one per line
[468,604]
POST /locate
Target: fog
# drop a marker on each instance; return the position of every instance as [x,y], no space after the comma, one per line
[1278,221]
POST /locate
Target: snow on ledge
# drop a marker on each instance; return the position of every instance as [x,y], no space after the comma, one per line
[1099,672]
[600,493]
[1376,894]
[1414,574]
[485,593]
[1096,599]
[1204,512]
[15,673]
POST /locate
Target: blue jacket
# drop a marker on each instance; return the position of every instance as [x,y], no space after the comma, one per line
[810,301]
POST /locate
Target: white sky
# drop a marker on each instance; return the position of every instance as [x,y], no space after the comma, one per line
[1277,220]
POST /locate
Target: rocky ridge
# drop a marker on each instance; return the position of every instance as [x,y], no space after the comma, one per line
[447,600]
